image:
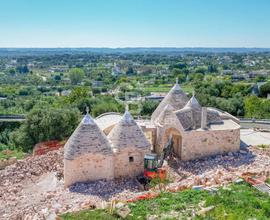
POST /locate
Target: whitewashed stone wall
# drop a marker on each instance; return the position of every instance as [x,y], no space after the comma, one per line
[88,167]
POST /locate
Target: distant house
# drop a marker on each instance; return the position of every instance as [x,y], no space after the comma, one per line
[252,75]
[65,92]
[116,70]
[238,77]
[227,72]
[156,96]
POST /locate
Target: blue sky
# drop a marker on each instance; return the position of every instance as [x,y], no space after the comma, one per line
[135,23]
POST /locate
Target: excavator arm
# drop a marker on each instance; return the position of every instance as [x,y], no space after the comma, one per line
[167,151]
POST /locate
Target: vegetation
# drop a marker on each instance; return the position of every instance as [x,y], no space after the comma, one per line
[43,125]
[7,152]
[256,107]
[45,85]
[76,75]
[239,201]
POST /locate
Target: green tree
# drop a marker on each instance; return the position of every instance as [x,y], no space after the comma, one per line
[148,107]
[77,93]
[76,75]
[265,89]
[257,107]
[45,124]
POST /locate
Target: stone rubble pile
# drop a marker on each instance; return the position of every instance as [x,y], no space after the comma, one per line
[105,189]
[31,167]
[221,169]
[33,188]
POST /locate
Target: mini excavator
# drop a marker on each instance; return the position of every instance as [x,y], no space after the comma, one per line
[153,165]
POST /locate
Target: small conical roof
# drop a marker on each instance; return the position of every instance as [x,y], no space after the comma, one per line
[161,118]
[127,133]
[193,103]
[176,98]
[87,138]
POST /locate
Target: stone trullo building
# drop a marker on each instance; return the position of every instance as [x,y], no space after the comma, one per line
[90,155]
[113,146]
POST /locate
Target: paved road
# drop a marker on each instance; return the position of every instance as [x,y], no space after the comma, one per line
[251,137]
[255,125]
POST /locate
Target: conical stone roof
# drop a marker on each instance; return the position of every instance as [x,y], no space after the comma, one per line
[193,103]
[162,116]
[87,138]
[127,133]
[176,98]
[190,115]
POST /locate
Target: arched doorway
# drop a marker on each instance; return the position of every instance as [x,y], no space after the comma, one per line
[177,140]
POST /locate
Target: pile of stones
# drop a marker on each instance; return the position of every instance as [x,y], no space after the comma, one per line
[33,188]
[221,169]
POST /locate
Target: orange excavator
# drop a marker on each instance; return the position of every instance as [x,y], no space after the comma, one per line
[153,165]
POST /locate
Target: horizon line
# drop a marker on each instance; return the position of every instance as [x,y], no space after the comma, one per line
[141,47]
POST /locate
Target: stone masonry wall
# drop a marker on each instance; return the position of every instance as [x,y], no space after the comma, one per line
[123,167]
[88,167]
[198,144]
[161,137]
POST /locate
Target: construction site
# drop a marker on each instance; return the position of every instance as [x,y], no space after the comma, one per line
[115,157]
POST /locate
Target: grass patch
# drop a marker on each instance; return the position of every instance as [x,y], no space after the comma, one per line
[167,88]
[97,214]
[240,201]
[8,152]
[263,146]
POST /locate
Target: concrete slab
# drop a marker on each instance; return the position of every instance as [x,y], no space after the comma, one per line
[254,138]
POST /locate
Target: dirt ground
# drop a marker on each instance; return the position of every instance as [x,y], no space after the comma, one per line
[33,188]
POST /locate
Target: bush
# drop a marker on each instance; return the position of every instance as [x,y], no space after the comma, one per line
[257,107]
[148,107]
[45,124]
[265,89]
[106,104]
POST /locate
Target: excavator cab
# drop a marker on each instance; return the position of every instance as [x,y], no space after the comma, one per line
[150,165]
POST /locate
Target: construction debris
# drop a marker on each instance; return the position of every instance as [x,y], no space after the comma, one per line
[33,188]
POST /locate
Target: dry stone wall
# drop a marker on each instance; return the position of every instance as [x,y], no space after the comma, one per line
[201,143]
[88,167]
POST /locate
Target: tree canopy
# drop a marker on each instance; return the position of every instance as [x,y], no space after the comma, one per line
[76,75]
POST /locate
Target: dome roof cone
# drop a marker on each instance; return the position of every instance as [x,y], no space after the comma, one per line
[193,102]
[87,138]
[127,133]
[175,98]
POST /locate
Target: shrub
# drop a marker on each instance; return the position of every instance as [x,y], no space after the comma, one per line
[44,125]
